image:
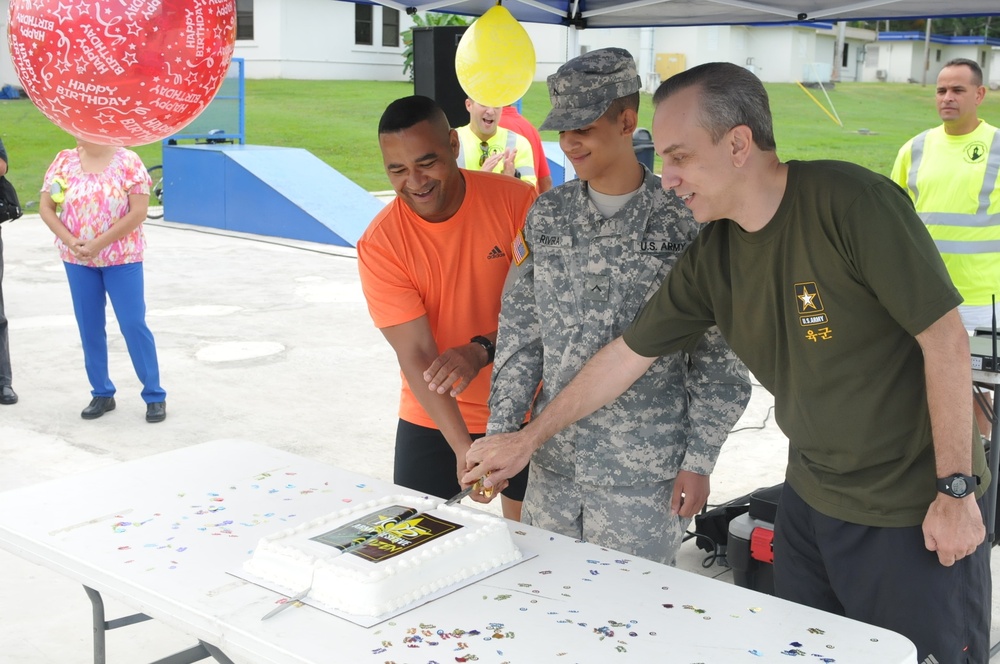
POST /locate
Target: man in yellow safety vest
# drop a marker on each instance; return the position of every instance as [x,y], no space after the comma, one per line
[486,146]
[951,173]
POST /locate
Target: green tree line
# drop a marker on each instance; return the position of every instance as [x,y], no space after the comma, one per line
[966,26]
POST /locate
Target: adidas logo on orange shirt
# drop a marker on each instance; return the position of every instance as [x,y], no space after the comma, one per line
[497,252]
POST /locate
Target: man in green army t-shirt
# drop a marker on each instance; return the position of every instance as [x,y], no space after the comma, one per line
[825,282]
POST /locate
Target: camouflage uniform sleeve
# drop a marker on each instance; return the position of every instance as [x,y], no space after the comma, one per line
[718,387]
[517,366]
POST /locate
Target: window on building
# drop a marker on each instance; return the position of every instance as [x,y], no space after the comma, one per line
[937,55]
[390,27]
[843,58]
[871,56]
[363,24]
[244,19]
[982,59]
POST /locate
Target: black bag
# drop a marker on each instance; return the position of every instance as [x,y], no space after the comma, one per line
[713,525]
[10,207]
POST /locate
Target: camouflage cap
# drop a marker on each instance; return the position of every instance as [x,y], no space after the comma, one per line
[582,90]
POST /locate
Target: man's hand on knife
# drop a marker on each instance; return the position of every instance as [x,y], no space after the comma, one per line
[496,459]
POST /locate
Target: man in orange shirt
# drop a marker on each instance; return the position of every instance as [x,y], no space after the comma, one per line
[432,266]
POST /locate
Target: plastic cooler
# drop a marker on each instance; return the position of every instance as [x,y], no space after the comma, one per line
[750,546]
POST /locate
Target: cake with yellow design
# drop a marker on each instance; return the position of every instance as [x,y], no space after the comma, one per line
[413,556]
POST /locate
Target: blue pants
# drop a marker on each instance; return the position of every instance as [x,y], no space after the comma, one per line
[90,287]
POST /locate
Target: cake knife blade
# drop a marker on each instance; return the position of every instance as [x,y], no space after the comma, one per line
[451,501]
[357,545]
[290,601]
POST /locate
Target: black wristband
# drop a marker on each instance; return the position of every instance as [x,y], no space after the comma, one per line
[958,485]
[491,350]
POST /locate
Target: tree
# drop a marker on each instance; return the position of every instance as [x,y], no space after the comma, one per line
[967,26]
[429,19]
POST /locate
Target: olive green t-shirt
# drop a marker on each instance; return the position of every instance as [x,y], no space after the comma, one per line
[823,305]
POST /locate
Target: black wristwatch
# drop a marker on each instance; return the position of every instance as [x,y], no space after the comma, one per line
[958,485]
[491,350]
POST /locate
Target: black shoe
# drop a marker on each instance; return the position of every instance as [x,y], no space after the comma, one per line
[156,412]
[98,406]
[7,395]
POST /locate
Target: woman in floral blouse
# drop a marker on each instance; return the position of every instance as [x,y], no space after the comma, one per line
[94,199]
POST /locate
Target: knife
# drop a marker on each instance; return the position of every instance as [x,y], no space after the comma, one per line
[357,545]
[289,602]
[451,501]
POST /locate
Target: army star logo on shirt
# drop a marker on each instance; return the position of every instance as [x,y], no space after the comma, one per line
[809,305]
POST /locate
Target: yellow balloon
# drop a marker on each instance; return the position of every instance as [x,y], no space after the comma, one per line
[495,59]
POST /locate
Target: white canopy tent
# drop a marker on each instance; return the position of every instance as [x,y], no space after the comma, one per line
[659,13]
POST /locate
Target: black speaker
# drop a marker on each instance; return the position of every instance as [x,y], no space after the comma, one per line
[434,69]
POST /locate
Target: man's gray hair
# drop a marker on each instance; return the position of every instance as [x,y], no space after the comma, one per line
[729,96]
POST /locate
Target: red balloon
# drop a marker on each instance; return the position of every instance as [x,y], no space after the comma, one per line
[121,72]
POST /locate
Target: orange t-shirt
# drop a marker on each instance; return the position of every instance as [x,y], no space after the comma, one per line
[451,271]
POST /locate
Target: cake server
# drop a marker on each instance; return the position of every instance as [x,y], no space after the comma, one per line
[357,545]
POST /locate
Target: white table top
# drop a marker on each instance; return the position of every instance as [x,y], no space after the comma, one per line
[161,533]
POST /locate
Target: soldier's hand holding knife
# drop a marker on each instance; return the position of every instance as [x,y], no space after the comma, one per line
[495,459]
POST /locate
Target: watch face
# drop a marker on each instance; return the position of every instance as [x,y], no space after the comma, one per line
[959,486]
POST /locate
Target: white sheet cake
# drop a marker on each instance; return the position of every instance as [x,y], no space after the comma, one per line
[410,559]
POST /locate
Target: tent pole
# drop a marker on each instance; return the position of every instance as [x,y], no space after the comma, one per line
[572,43]
[927,53]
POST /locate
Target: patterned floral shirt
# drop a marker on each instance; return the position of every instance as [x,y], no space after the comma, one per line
[94,201]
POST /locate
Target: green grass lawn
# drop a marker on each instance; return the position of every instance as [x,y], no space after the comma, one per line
[337,120]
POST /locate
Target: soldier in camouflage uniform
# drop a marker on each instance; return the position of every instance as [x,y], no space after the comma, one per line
[631,475]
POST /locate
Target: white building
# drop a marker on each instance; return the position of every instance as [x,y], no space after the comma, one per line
[330,39]
[901,57]
[320,39]
[780,54]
